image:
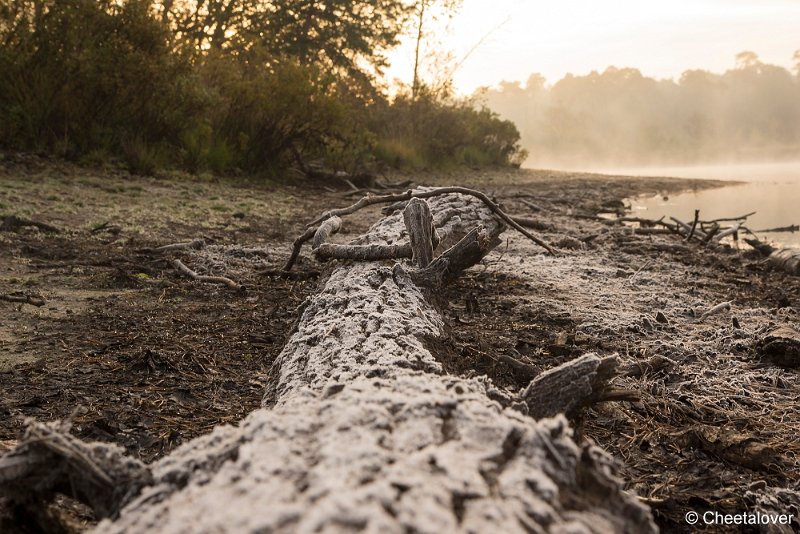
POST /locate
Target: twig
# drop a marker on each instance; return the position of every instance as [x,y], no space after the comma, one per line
[733,230]
[24,299]
[711,233]
[640,269]
[408,195]
[724,306]
[325,230]
[297,244]
[531,205]
[732,219]
[694,225]
[178,264]
[195,244]
[790,228]
[700,234]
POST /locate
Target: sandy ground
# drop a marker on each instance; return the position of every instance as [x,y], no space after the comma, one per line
[135,353]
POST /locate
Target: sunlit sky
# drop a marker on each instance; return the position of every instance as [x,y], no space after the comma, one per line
[661,38]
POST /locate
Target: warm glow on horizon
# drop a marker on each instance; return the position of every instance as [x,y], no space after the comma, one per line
[662,39]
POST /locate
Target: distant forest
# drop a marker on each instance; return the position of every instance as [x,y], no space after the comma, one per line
[620,117]
[229,86]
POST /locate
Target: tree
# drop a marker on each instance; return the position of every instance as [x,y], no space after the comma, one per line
[347,37]
[427,12]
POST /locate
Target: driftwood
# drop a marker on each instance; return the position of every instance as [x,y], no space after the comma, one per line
[791,228]
[786,259]
[361,429]
[421,233]
[572,386]
[325,231]
[395,200]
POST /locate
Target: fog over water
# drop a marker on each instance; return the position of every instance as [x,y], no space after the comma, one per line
[772,190]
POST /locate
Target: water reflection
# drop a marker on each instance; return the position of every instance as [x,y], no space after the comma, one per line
[772,190]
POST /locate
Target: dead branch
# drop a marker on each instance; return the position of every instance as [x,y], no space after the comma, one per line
[297,244]
[408,195]
[194,244]
[791,228]
[571,386]
[732,219]
[711,232]
[178,264]
[532,223]
[421,233]
[332,251]
[12,223]
[531,205]
[701,235]
[445,268]
[732,231]
[33,300]
[719,308]
[761,247]
[694,225]
[786,259]
[325,230]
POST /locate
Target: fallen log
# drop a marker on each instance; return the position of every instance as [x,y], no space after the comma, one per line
[361,429]
[786,259]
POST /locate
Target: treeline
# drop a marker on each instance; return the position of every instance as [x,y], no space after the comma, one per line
[227,85]
[620,117]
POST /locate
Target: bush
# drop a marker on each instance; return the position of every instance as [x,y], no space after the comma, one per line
[87,77]
[107,79]
[433,132]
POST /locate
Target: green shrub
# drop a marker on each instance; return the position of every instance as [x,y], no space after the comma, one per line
[430,131]
[86,76]
[112,81]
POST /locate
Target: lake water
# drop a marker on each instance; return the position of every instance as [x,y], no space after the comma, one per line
[772,190]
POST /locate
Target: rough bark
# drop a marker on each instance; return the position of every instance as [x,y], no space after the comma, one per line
[571,386]
[786,259]
[325,231]
[421,233]
[361,430]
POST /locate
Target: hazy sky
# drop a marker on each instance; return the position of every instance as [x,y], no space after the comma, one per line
[661,38]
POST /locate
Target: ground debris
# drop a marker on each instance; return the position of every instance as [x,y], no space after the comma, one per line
[781,347]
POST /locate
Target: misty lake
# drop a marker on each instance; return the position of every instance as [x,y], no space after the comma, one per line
[772,190]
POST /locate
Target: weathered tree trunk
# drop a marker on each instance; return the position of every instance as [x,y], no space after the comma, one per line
[361,430]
